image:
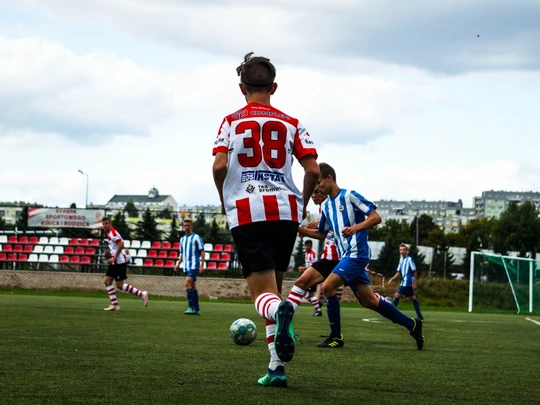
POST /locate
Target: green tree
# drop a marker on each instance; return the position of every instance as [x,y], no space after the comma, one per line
[132,211]
[165,214]
[3,225]
[174,233]
[214,232]
[443,259]
[22,220]
[147,227]
[388,259]
[425,225]
[200,227]
[477,234]
[119,223]
[299,257]
[73,205]
[418,259]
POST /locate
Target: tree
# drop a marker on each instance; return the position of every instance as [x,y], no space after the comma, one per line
[418,258]
[2,224]
[214,232]
[132,211]
[165,214]
[388,257]
[174,233]
[147,227]
[477,234]
[22,220]
[299,255]
[425,225]
[119,223]
[200,227]
[73,205]
[442,259]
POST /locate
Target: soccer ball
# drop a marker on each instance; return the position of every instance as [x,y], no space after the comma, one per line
[243,331]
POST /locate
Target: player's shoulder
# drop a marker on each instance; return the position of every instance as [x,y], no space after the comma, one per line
[255,110]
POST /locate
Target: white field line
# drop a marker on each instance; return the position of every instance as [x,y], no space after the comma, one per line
[373,320]
[532,320]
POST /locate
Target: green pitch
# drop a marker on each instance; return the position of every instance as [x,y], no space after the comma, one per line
[57,349]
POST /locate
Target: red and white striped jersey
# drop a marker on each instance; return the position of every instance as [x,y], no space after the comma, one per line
[113,238]
[330,251]
[310,258]
[261,142]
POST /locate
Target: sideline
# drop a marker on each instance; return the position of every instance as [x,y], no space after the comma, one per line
[532,320]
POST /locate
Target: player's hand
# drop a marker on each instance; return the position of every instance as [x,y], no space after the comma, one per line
[111,260]
[312,225]
[176,269]
[201,270]
[348,231]
[389,282]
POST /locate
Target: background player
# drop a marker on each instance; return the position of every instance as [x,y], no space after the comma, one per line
[310,257]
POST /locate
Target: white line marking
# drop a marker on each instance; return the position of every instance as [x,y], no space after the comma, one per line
[372,320]
[532,320]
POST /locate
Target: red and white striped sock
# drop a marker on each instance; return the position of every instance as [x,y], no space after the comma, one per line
[270,334]
[112,294]
[295,296]
[267,305]
[315,302]
[132,290]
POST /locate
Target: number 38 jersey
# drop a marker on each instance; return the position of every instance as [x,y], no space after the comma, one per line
[261,142]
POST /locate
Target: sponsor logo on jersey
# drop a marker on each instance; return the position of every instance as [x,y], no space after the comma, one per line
[341,208]
[250,189]
[263,188]
[262,175]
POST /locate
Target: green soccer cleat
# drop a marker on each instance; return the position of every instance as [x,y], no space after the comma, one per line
[284,340]
[416,333]
[190,311]
[333,342]
[274,378]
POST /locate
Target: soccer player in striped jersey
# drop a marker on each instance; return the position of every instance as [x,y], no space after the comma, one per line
[254,152]
[117,269]
[349,215]
[310,257]
[192,254]
[407,270]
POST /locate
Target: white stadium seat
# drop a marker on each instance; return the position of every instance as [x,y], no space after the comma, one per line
[33,258]
[138,262]
[208,247]
[43,258]
[54,241]
[141,253]
[38,249]
[136,244]
[3,239]
[43,240]
[53,259]
[48,249]
[127,243]
[146,244]
[59,250]
[63,241]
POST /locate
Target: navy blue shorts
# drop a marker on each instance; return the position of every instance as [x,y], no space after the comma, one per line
[406,291]
[353,270]
[192,273]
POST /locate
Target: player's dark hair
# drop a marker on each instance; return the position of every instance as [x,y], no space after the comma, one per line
[256,73]
[308,242]
[106,219]
[405,246]
[326,170]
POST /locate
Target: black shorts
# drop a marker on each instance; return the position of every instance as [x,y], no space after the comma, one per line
[265,245]
[325,267]
[117,271]
[313,288]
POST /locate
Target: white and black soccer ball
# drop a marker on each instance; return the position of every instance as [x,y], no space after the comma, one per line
[243,331]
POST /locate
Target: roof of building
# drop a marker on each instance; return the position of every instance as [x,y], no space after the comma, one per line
[138,198]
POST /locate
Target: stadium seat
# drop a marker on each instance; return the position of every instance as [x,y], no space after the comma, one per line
[63,241]
[43,258]
[48,249]
[3,239]
[12,239]
[141,253]
[83,241]
[223,266]
[64,259]
[23,239]
[169,263]
[54,241]
[208,247]
[86,260]
[33,258]
[69,250]
[53,259]
[74,259]
[214,256]
[74,241]
[43,240]
[38,249]
[90,251]
[148,263]
[176,246]
[17,248]
[211,266]
[218,247]
[7,248]
[162,253]
[127,243]
[152,253]
[146,244]
[12,257]
[206,256]
[156,244]
[136,244]
[138,262]
[159,263]
[79,251]
[28,248]
[33,240]
[166,245]
[226,257]
[23,257]
[59,250]
[3,257]
[228,248]
[173,254]
[94,242]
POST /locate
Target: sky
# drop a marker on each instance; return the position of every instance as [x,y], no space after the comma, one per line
[415,100]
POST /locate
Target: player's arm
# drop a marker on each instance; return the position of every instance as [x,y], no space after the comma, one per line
[414,280]
[178,262]
[311,177]
[201,267]
[311,233]
[301,269]
[372,219]
[119,247]
[219,170]
[393,278]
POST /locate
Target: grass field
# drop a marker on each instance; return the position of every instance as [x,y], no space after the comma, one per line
[58,349]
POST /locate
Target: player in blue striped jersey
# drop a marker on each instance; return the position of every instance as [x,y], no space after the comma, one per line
[407,270]
[192,254]
[349,215]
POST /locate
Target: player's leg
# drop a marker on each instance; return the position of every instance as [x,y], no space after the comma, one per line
[111,291]
[121,276]
[397,296]
[416,306]
[188,285]
[313,300]
[310,277]
[195,294]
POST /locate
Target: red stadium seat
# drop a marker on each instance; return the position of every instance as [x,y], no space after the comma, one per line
[3,257]
[90,251]
[94,242]
[23,257]
[28,248]
[33,240]
[69,250]
[17,248]
[64,259]
[12,257]
[156,244]
[215,256]
[228,248]
[7,248]
[148,263]
[166,245]
[152,253]
[84,242]
[218,247]
[74,241]
[23,239]
[226,257]
[173,254]
[74,259]
[79,251]
[159,263]
[12,239]
[162,254]
[223,266]
[176,245]
[170,263]
[211,266]
[85,260]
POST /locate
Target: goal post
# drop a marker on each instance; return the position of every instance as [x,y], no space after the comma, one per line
[504,283]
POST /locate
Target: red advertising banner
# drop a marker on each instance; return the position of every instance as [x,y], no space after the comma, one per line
[65,218]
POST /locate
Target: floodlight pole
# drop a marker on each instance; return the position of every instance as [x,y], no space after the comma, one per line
[85,174]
